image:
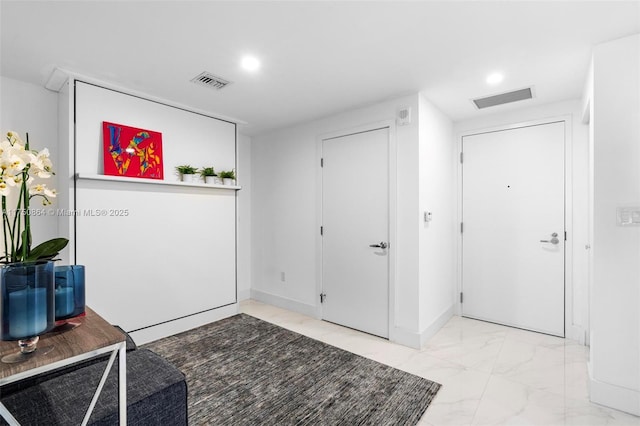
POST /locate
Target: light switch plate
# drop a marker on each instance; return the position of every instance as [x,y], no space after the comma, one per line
[628,216]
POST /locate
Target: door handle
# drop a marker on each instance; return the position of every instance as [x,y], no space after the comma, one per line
[382,245]
[554,239]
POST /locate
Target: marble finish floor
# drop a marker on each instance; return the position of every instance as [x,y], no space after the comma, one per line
[491,374]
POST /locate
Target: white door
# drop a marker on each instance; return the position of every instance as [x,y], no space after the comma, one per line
[513,227]
[355,216]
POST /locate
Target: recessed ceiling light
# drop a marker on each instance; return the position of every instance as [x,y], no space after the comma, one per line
[250,63]
[495,78]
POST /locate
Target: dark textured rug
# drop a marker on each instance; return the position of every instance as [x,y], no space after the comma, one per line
[244,371]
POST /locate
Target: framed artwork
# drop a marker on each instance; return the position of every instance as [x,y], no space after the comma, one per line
[131,152]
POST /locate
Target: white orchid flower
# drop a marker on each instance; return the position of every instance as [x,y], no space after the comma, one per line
[14,137]
[12,180]
[9,150]
[11,164]
[17,164]
[17,148]
[44,154]
[41,165]
[16,179]
[41,189]
[5,146]
[5,189]
[19,167]
[37,189]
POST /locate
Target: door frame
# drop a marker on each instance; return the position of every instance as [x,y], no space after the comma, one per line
[392,155]
[572,331]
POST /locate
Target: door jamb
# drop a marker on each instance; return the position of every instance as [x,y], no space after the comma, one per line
[574,332]
[392,155]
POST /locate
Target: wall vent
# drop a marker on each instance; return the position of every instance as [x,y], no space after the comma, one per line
[503,98]
[207,79]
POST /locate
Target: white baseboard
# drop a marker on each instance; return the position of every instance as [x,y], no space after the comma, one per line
[576,333]
[398,335]
[284,303]
[170,328]
[436,325]
[244,295]
[404,337]
[623,399]
[417,340]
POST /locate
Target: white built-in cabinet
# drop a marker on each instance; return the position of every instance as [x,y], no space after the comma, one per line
[613,95]
[160,256]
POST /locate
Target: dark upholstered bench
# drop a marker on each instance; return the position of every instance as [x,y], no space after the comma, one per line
[156,394]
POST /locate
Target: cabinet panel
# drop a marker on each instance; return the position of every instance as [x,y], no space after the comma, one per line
[153,253]
[187,137]
[149,262]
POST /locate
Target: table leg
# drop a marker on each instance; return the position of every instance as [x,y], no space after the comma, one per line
[7,415]
[122,383]
[85,421]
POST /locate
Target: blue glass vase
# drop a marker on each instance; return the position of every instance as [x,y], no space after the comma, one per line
[70,299]
[26,303]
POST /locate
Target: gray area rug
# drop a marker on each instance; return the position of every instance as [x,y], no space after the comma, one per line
[244,371]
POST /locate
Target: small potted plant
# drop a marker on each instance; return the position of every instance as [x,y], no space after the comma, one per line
[209,175]
[228,177]
[187,173]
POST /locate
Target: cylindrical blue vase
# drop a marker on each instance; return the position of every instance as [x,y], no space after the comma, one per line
[69,291]
[26,299]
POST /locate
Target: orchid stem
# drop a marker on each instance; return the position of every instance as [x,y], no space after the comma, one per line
[5,226]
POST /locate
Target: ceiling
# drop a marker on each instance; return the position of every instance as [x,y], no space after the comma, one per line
[318,58]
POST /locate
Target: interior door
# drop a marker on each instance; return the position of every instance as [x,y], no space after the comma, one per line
[513,238]
[355,219]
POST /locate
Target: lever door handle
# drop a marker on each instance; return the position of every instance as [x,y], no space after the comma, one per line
[553,240]
[382,245]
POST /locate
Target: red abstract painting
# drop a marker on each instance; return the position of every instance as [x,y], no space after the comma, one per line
[132,152]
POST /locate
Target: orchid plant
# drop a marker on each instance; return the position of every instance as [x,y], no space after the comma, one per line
[20,168]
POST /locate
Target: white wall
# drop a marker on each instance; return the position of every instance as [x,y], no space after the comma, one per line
[285,217]
[437,237]
[615,288]
[27,108]
[577,194]
[285,210]
[244,217]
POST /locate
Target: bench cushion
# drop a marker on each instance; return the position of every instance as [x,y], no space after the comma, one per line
[156,394]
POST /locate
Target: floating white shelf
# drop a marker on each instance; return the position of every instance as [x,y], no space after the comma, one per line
[153,181]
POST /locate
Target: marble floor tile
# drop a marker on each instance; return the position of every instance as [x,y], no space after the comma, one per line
[539,339]
[584,413]
[490,374]
[461,391]
[474,326]
[509,403]
[551,370]
[478,351]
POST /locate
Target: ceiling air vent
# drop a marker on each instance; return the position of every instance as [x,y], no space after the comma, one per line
[207,79]
[503,98]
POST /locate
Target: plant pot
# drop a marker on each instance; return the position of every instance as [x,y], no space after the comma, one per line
[229,181]
[211,180]
[189,178]
[27,298]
